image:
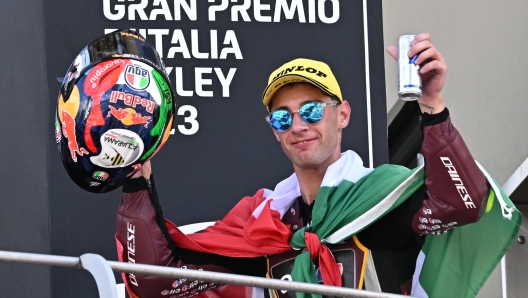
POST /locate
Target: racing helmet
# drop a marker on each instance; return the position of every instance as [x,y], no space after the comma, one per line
[115,111]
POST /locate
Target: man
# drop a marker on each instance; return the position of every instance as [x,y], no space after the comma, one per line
[372,220]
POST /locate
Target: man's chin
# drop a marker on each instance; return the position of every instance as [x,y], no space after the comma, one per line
[306,161]
[310,159]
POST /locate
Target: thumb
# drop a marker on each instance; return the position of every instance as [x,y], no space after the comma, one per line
[393,51]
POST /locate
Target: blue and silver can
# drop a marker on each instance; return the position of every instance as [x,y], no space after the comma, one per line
[409,79]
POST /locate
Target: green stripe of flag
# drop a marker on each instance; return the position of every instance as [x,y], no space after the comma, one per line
[457,264]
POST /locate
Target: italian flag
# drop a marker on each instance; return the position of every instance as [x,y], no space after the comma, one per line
[458,263]
[136,81]
[351,198]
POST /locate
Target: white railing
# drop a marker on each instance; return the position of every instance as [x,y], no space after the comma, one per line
[101,270]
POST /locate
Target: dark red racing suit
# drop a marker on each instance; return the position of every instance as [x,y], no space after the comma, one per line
[454,194]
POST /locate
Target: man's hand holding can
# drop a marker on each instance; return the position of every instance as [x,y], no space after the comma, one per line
[433,71]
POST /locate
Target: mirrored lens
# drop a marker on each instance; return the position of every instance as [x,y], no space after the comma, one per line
[311,112]
[280,120]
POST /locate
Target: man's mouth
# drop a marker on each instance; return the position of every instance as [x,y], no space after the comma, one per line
[303,142]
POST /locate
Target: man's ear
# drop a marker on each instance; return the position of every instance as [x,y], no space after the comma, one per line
[344,111]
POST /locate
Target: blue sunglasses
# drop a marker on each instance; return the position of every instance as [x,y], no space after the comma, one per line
[310,112]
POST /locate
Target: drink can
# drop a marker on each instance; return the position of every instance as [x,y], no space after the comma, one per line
[409,79]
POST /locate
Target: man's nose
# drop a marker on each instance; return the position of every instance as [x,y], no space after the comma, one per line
[298,124]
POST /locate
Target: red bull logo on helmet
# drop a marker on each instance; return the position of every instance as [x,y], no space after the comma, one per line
[132,100]
[128,116]
[137,77]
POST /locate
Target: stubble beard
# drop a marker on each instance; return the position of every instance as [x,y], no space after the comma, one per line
[312,160]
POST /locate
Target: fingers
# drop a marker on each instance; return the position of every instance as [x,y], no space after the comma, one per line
[428,57]
[147,170]
[393,51]
[421,37]
[438,66]
[428,54]
[422,47]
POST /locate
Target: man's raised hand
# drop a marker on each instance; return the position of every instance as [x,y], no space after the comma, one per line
[433,70]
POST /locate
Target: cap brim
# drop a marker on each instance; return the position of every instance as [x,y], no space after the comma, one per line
[289,79]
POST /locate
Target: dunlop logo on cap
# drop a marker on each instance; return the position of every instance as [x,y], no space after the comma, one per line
[300,69]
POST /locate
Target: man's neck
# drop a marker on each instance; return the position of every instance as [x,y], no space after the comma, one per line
[310,181]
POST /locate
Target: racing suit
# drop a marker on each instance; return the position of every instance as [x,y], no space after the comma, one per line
[453,194]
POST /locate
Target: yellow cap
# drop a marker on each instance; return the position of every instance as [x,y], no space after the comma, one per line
[302,70]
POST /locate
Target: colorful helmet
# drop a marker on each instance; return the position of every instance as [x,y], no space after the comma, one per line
[115,111]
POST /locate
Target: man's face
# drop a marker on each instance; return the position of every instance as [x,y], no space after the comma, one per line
[310,146]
